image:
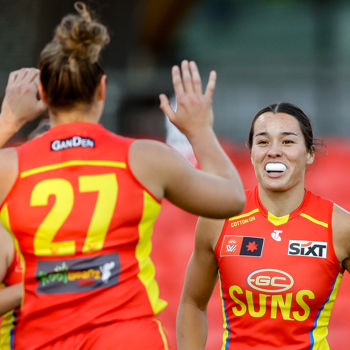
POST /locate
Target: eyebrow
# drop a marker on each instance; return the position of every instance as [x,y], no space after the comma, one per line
[284,133]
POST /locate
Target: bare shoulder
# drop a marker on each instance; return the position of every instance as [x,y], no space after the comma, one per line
[151,150]
[208,232]
[8,170]
[341,232]
[340,219]
[153,162]
[6,251]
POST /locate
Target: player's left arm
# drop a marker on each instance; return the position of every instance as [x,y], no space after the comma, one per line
[341,235]
[201,277]
[10,298]
[21,104]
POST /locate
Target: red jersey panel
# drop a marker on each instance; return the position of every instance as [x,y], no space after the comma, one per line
[279,276]
[84,226]
[9,321]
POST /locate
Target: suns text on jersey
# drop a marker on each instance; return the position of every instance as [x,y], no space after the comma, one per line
[291,306]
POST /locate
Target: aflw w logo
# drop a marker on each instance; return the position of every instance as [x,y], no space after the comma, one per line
[231,248]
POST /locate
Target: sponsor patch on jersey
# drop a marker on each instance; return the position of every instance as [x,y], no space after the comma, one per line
[77,275]
[241,246]
[311,249]
[270,280]
[72,142]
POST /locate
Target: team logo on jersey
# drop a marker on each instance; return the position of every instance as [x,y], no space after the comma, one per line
[72,142]
[77,275]
[241,246]
[276,235]
[270,280]
[308,248]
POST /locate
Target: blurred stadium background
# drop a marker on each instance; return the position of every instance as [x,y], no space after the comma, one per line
[264,51]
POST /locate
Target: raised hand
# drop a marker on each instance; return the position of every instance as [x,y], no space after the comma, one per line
[194,113]
[20,104]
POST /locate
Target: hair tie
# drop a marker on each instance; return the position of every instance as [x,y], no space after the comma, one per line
[80,7]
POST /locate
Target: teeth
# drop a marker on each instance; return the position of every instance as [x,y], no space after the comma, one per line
[275,167]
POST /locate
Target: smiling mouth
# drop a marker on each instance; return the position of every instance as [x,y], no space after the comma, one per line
[275,168]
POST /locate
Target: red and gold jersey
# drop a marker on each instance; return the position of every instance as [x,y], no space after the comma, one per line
[9,320]
[84,226]
[279,276]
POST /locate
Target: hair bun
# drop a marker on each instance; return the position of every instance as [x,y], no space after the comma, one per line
[81,37]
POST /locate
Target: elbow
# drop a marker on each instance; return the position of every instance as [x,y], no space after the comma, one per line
[238,205]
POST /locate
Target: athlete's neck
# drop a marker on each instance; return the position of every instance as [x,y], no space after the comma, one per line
[281,203]
[79,113]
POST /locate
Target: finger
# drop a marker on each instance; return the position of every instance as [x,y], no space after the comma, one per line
[33,75]
[12,77]
[177,82]
[165,106]
[186,76]
[28,75]
[209,91]
[197,83]
[22,75]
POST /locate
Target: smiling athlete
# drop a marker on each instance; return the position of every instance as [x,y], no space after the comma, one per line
[279,262]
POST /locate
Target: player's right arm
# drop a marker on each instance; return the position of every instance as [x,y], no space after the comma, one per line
[200,279]
[216,190]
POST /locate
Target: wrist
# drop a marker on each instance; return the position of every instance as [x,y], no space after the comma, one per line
[201,135]
[8,124]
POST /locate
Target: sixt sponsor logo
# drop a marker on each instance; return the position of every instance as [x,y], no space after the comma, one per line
[77,275]
[72,142]
[270,280]
[308,248]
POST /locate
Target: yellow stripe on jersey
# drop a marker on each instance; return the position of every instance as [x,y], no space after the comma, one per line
[6,326]
[324,224]
[320,331]
[162,334]
[225,334]
[244,215]
[151,209]
[45,168]
[277,220]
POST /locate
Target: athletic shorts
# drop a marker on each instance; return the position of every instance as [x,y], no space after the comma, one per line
[146,333]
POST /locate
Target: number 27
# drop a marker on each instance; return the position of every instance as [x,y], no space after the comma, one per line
[107,188]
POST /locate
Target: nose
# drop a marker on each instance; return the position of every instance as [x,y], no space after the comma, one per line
[275,150]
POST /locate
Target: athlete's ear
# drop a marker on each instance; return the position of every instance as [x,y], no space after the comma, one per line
[41,92]
[102,88]
[310,157]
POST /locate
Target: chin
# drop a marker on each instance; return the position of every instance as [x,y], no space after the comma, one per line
[274,187]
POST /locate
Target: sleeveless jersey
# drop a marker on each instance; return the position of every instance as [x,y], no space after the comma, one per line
[279,276]
[84,226]
[9,320]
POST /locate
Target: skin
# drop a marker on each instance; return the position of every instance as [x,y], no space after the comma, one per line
[10,296]
[277,139]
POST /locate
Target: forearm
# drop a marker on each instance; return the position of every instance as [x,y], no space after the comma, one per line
[213,159]
[8,128]
[210,155]
[10,298]
[191,327]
